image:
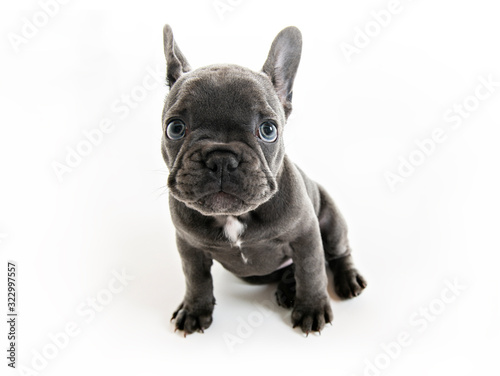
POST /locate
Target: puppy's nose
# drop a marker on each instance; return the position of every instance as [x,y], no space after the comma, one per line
[221,162]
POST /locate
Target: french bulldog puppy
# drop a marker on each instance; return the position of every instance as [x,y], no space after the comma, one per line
[235,196]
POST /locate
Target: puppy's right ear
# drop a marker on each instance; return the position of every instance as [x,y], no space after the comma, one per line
[282,63]
[176,62]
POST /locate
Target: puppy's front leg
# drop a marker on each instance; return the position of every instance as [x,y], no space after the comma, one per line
[195,311]
[312,306]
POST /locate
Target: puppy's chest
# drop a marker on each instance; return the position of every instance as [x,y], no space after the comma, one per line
[248,248]
[233,229]
[244,238]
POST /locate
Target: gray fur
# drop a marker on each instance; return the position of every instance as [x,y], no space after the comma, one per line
[281,213]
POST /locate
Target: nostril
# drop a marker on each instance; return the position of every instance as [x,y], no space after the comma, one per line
[212,165]
[232,165]
[222,162]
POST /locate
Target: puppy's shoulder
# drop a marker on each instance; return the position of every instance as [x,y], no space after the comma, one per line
[304,183]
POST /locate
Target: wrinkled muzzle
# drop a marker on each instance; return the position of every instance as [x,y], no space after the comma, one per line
[221,179]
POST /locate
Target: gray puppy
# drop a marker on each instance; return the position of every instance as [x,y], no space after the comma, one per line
[235,197]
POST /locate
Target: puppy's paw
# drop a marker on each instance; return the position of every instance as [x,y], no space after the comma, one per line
[348,283]
[312,318]
[192,320]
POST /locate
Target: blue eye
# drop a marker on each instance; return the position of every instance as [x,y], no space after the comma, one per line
[176,129]
[268,132]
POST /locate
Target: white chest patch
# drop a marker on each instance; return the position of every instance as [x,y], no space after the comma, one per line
[233,230]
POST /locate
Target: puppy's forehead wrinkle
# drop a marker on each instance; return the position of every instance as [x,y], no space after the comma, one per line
[268,112]
[224,91]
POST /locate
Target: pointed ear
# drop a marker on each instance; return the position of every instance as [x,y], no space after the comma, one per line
[176,62]
[282,63]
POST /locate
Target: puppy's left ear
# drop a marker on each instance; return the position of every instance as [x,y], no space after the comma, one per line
[177,64]
[282,63]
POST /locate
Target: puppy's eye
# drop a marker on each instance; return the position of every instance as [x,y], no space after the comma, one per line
[268,132]
[176,129]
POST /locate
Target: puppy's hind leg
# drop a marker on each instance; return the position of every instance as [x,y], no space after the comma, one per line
[347,280]
[285,293]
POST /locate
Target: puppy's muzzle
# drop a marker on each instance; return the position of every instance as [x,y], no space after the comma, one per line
[221,178]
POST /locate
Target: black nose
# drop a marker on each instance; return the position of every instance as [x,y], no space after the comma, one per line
[222,162]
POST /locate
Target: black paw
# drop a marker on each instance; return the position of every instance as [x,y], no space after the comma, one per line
[348,283]
[312,318]
[192,320]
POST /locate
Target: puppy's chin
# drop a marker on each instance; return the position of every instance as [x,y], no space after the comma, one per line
[221,203]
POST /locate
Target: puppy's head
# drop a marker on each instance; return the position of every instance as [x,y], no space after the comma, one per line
[223,127]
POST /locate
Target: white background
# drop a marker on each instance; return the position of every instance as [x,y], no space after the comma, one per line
[351,123]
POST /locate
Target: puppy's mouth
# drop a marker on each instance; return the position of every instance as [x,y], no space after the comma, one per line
[221,203]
